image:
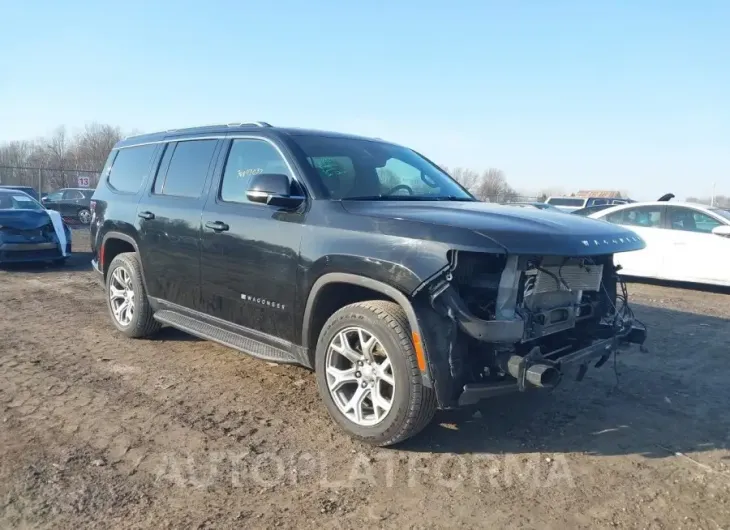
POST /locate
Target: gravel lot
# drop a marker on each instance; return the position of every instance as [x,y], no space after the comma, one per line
[101,431]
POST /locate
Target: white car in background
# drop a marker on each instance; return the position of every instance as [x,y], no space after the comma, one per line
[684,242]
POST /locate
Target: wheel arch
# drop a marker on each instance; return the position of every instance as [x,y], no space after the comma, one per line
[114,243]
[320,307]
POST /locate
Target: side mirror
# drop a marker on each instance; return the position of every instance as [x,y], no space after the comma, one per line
[274,189]
[722,231]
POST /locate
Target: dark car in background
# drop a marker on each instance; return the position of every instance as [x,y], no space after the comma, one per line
[71,203]
[588,210]
[30,190]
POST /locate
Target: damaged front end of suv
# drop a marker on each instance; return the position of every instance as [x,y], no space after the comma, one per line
[501,323]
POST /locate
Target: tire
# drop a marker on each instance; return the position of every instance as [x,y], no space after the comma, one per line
[84,216]
[412,404]
[142,323]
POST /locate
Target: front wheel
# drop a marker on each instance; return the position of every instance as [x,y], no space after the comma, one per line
[368,375]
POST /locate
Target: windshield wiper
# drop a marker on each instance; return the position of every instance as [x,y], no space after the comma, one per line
[453,198]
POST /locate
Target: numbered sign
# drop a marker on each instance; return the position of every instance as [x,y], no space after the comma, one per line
[83,182]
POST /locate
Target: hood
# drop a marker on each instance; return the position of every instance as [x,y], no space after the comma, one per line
[24,219]
[517,230]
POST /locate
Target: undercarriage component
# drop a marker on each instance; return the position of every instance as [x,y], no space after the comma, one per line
[539,374]
[632,333]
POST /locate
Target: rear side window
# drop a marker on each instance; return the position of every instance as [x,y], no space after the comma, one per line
[130,168]
[188,168]
[645,216]
[71,195]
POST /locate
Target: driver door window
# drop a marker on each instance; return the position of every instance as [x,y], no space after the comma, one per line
[641,217]
[246,159]
[337,174]
[695,254]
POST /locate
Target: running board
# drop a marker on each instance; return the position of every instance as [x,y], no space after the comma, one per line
[222,336]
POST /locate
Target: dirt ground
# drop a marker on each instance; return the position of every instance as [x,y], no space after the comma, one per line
[101,431]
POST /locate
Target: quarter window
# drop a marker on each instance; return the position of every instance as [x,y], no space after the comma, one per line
[189,163]
[130,167]
[645,216]
[246,159]
[690,220]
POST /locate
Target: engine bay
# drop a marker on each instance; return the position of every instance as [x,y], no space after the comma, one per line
[561,303]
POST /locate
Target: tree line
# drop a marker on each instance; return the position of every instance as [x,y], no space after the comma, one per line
[62,157]
[721,201]
[489,185]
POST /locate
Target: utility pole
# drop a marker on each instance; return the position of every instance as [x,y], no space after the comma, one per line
[40,182]
[712,200]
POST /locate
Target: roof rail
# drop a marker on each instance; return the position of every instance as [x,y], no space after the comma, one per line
[256,123]
[233,124]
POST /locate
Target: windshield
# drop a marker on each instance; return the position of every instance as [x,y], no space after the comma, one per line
[565,201]
[363,169]
[18,201]
[721,212]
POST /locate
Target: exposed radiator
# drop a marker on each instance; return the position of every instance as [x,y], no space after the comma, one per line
[555,278]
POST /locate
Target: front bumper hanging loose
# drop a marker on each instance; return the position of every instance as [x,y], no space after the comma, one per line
[520,367]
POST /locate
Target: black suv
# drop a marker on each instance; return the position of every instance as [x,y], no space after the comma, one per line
[359,259]
[71,203]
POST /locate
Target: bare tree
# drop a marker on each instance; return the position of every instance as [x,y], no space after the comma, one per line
[93,144]
[488,185]
[466,177]
[60,156]
[493,186]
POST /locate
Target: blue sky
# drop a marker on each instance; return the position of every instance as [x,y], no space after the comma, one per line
[630,95]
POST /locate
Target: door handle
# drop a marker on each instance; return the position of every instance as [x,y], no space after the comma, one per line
[217,226]
[146,215]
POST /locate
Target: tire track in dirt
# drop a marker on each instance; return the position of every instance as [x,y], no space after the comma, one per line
[73,392]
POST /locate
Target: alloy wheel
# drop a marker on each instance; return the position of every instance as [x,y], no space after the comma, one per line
[360,376]
[121,296]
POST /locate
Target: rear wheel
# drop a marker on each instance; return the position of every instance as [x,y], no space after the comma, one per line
[84,216]
[368,375]
[126,297]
